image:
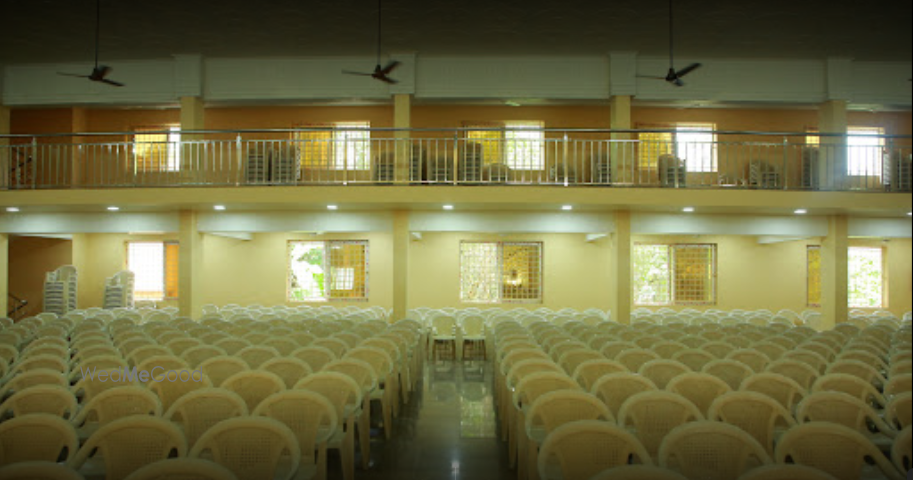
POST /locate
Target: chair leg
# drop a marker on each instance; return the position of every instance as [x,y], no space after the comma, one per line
[347,452]
[321,462]
[532,453]
[364,434]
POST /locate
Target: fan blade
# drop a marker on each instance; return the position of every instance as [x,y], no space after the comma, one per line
[72,75]
[361,74]
[111,82]
[651,78]
[678,82]
[387,80]
[688,69]
[390,67]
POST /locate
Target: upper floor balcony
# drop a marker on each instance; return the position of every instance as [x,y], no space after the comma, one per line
[672,159]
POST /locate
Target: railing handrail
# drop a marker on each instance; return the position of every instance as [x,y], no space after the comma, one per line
[452,130]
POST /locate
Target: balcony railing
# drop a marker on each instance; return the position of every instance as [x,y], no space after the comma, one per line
[354,156]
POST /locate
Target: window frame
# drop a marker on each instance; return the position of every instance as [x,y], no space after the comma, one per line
[672,280]
[813,140]
[328,270]
[507,152]
[172,148]
[499,258]
[166,288]
[883,284]
[668,143]
[337,145]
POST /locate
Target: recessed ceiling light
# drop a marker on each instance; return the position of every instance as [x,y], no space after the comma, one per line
[801,211]
[688,209]
[332,207]
[219,208]
[113,209]
[448,207]
[909,214]
[567,208]
[16,210]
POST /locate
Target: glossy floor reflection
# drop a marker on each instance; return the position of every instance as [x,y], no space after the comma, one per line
[447,432]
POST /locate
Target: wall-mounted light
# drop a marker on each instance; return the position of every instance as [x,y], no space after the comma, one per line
[219,208]
[332,207]
[801,211]
[113,209]
[567,208]
[688,209]
[448,207]
[16,210]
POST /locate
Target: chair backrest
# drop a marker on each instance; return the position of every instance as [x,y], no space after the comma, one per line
[638,472]
[531,387]
[315,356]
[902,453]
[756,414]
[858,369]
[589,372]
[841,409]
[696,360]
[39,471]
[840,451]
[52,400]
[851,385]
[36,438]
[219,369]
[342,391]
[782,389]
[291,370]
[898,411]
[309,415]
[201,409]
[699,388]
[636,358]
[615,389]
[786,472]
[170,388]
[554,409]
[655,414]
[195,356]
[183,469]
[661,372]
[800,372]
[128,444]
[251,447]
[362,372]
[729,371]
[257,355]
[117,403]
[253,386]
[584,449]
[898,385]
[711,451]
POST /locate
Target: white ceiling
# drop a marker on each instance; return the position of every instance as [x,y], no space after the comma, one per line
[48,31]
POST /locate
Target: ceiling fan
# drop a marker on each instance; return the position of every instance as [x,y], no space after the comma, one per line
[100,72]
[674,76]
[379,73]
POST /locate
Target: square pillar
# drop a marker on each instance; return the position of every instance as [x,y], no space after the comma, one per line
[835,273]
[83,262]
[402,118]
[832,159]
[190,266]
[193,161]
[401,240]
[621,294]
[621,153]
[4,152]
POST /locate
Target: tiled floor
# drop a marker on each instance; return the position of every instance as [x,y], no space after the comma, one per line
[447,432]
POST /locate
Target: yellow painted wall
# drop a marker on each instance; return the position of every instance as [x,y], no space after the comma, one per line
[107,255]
[900,274]
[30,258]
[752,276]
[576,273]
[247,272]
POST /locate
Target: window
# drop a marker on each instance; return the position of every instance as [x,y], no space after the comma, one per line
[519,145]
[157,152]
[341,146]
[675,274]
[332,270]
[501,272]
[865,149]
[155,269]
[814,276]
[866,282]
[694,143]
